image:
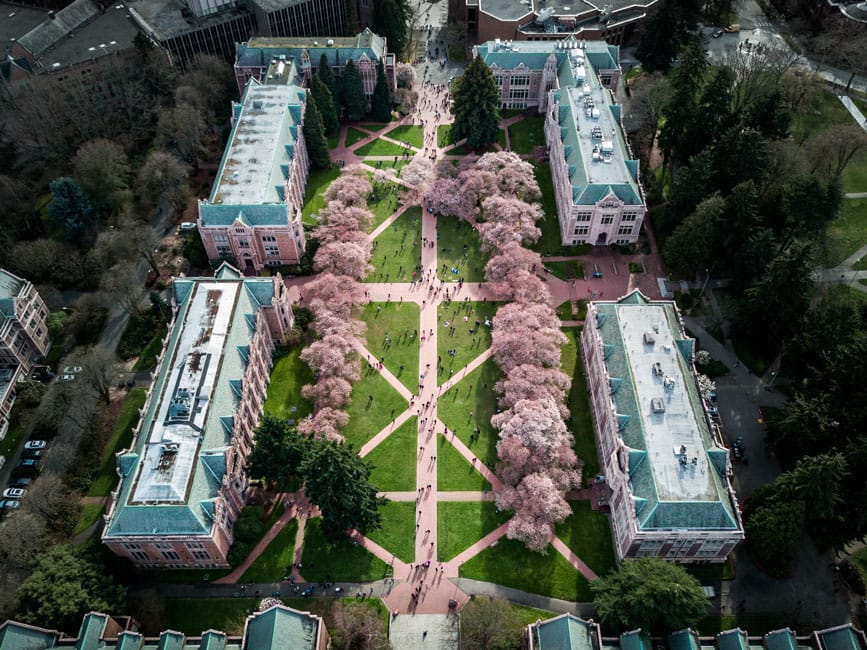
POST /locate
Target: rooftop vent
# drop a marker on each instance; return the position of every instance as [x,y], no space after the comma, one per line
[330,42]
[657,405]
[649,338]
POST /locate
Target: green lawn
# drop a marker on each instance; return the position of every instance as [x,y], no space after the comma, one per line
[456,473]
[564,311]
[471,336]
[397,251]
[848,293]
[333,140]
[192,616]
[461,523]
[393,459]
[147,358]
[399,321]
[314,198]
[368,417]
[354,135]
[444,135]
[459,249]
[588,534]
[822,111]
[710,572]
[550,242]
[9,444]
[89,515]
[526,134]
[501,138]
[847,233]
[121,438]
[580,422]
[397,165]
[860,265]
[341,562]
[383,200]
[462,410]
[571,270]
[374,127]
[413,134]
[859,559]
[288,375]
[271,565]
[398,529]
[380,148]
[510,564]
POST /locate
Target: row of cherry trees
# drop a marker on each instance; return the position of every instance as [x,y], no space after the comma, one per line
[498,192]
[342,260]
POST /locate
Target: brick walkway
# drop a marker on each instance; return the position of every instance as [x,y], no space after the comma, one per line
[438,581]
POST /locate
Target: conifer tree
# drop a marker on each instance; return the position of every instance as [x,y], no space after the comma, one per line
[327,75]
[353,92]
[477,106]
[314,135]
[390,18]
[380,110]
[325,104]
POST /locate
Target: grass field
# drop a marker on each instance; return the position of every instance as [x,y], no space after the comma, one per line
[288,375]
[397,250]
[549,242]
[501,138]
[588,534]
[121,438]
[340,562]
[354,135]
[393,459]
[456,473]
[571,270]
[399,321]
[271,565]
[367,417]
[526,134]
[459,249]
[314,198]
[461,523]
[847,233]
[380,148]
[373,127]
[510,564]
[383,201]
[398,529]
[192,616]
[412,134]
[580,422]
[462,410]
[444,135]
[89,515]
[470,338]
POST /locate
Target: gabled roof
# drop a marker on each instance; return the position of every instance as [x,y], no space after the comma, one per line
[281,627]
[51,31]
[259,50]
[15,636]
[843,637]
[566,632]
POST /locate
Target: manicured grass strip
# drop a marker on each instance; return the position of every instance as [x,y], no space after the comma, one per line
[847,233]
[89,515]
[501,138]
[373,127]
[392,334]
[381,148]
[444,135]
[571,270]
[855,174]
[510,564]
[459,249]
[121,438]
[413,134]
[192,616]
[398,529]
[271,565]
[147,358]
[527,615]
[470,337]
[456,473]
[397,249]
[314,198]
[462,523]
[341,562]
[462,410]
[288,375]
[383,200]
[354,135]
[367,416]
[588,534]
[550,243]
[397,165]
[393,459]
[526,134]
[580,422]
[710,572]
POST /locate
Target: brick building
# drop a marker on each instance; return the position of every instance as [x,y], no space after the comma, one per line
[182,484]
[253,215]
[663,459]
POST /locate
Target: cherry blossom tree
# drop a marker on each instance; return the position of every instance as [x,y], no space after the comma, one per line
[339,222]
[333,355]
[419,173]
[507,219]
[445,196]
[511,174]
[350,188]
[405,75]
[530,382]
[343,258]
[328,392]
[526,334]
[538,506]
[325,423]
[337,294]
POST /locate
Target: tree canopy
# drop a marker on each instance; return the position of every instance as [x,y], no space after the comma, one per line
[651,594]
[353,92]
[476,106]
[380,110]
[314,135]
[390,19]
[325,104]
[277,452]
[70,208]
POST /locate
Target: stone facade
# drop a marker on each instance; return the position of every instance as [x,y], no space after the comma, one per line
[23,331]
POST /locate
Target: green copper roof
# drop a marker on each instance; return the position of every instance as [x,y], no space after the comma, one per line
[90,633]
[15,636]
[281,627]
[683,640]
[259,50]
[566,632]
[781,640]
[844,637]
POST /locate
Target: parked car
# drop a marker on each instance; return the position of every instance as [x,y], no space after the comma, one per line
[21,482]
[34,454]
[14,493]
[733,28]
[35,444]
[10,504]
[66,378]
[72,370]
[717,33]
[28,462]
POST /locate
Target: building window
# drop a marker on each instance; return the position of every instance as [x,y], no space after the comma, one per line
[629,216]
[224,250]
[499,79]
[221,238]
[582,230]
[624,230]
[272,251]
[171,555]
[240,231]
[607,219]
[244,243]
[268,239]
[584,216]
[518,93]
[520,80]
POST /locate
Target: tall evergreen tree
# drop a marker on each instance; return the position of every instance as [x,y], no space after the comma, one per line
[314,135]
[325,104]
[380,110]
[666,32]
[477,106]
[327,75]
[336,479]
[353,92]
[70,207]
[390,18]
